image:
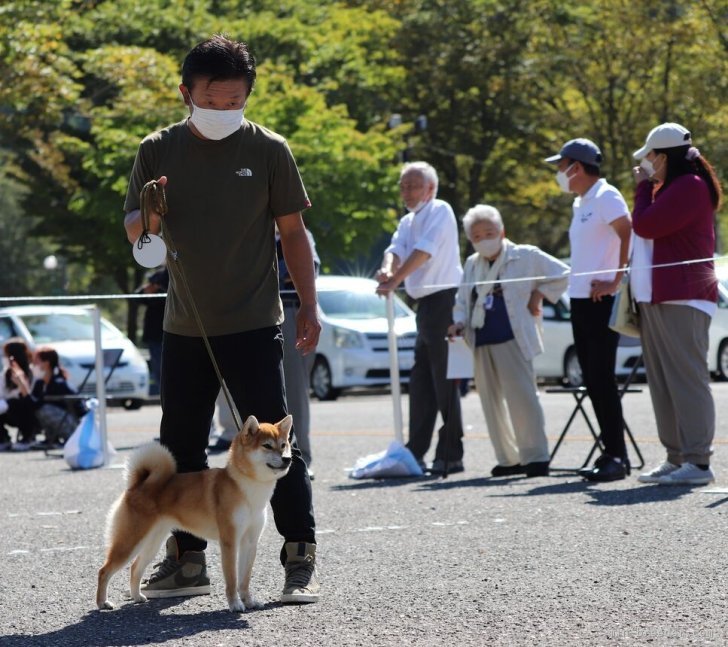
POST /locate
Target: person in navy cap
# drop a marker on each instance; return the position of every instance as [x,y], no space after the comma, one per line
[599,236]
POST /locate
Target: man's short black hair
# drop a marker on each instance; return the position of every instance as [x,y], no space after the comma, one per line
[219,59]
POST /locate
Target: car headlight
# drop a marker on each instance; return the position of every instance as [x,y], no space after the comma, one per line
[345,338]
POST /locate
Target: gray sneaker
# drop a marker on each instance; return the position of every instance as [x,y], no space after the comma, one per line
[302,585]
[178,576]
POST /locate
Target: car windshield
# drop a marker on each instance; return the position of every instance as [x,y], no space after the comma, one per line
[54,327]
[343,304]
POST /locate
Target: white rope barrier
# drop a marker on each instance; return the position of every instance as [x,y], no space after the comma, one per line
[440,286]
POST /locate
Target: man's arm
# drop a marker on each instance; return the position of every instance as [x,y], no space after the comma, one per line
[416,259]
[133,220]
[623,227]
[299,261]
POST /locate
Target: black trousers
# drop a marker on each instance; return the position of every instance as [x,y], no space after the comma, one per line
[429,389]
[20,414]
[596,348]
[252,365]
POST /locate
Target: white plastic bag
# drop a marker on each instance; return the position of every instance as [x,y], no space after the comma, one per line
[83,450]
[396,460]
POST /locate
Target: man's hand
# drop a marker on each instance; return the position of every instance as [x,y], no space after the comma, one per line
[388,286]
[133,220]
[601,289]
[308,329]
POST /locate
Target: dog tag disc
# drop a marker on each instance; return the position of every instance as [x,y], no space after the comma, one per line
[149,250]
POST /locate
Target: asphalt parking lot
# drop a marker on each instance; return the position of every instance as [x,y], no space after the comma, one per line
[468,560]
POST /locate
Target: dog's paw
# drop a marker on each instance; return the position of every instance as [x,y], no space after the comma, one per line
[139,597]
[251,602]
[106,605]
[236,605]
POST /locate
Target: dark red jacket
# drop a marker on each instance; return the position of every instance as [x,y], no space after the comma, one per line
[680,222]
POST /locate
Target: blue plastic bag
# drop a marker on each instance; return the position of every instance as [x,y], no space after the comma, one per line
[395,461]
[84,450]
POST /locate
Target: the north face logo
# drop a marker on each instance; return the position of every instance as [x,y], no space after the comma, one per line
[244,172]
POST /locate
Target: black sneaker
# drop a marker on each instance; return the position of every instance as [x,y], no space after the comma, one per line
[453,467]
[219,447]
[178,576]
[537,468]
[607,469]
[508,470]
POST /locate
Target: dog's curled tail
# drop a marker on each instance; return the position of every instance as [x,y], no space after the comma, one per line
[150,463]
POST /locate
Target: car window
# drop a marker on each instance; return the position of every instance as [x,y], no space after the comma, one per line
[7,330]
[47,328]
[343,304]
[558,311]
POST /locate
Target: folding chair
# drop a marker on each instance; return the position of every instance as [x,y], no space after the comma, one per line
[579,393]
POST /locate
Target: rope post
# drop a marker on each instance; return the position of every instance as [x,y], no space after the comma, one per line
[394,370]
[100,382]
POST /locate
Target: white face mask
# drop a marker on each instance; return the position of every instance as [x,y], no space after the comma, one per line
[216,124]
[488,247]
[563,180]
[648,166]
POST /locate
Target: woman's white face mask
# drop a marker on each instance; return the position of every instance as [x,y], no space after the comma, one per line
[216,124]
[649,167]
[488,247]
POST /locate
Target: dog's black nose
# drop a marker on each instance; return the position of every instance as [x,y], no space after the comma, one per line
[286,460]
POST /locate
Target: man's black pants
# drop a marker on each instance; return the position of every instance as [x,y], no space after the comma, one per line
[252,365]
[429,389]
[596,348]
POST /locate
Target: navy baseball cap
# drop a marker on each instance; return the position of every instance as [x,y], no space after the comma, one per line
[580,150]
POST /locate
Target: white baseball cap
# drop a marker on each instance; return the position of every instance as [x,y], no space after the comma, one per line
[667,135]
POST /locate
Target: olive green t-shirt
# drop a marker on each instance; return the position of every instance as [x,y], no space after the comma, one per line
[222,199]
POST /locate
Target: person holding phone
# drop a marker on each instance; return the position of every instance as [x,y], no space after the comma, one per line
[676,198]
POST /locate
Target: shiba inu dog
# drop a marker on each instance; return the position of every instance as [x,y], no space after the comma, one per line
[228,505]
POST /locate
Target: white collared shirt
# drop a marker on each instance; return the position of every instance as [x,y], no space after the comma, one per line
[432,230]
[594,242]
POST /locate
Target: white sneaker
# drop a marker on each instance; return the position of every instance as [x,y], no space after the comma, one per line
[654,475]
[688,474]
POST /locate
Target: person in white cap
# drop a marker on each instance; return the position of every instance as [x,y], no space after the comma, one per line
[599,235]
[676,198]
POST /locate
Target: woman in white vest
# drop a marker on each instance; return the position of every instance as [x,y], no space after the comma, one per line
[501,322]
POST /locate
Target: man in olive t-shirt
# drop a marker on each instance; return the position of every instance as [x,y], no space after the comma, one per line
[228,183]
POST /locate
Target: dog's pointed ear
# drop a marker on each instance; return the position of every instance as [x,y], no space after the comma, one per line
[251,426]
[286,424]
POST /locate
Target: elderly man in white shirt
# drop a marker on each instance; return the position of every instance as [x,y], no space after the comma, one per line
[425,255]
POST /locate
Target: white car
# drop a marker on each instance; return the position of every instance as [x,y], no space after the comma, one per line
[559,361]
[69,329]
[353,349]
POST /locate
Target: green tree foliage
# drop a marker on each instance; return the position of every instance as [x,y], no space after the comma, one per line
[502,86]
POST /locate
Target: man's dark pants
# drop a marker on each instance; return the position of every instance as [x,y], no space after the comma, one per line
[252,365]
[596,348]
[429,389]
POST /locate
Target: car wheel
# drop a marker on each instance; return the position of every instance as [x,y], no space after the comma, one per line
[322,380]
[723,360]
[572,369]
[132,404]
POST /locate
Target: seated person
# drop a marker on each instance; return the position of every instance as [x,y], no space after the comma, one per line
[57,418]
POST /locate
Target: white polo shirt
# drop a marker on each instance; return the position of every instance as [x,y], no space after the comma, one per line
[432,230]
[594,242]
